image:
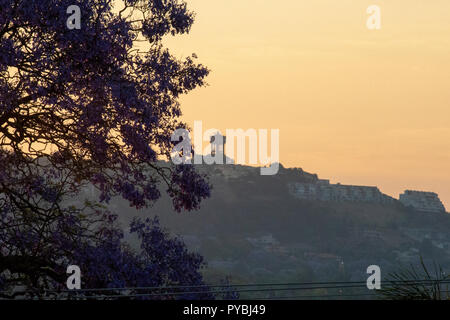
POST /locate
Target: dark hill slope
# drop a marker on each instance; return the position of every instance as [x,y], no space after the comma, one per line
[253,229]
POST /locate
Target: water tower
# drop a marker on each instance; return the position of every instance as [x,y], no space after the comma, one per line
[218,145]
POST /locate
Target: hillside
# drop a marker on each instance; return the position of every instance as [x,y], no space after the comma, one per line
[255,230]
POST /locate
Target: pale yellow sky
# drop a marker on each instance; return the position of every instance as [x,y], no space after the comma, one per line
[357,106]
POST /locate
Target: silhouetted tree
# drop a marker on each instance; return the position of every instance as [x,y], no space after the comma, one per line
[86,106]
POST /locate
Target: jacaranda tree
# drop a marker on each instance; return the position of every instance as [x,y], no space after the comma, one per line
[92,105]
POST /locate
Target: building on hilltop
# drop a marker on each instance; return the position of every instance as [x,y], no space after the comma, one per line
[422,201]
[217,153]
[322,190]
[218,144]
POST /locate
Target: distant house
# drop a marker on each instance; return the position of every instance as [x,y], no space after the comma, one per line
[268,243]
[262,241]
[323,258]
[322,190]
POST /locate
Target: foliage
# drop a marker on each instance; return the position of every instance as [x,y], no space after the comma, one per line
[412,284]
[85,106]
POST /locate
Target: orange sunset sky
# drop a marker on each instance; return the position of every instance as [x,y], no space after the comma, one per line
[356,106]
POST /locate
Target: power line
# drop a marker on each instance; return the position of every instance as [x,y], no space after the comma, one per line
[230,288]
[238,290]
[320,296]
[137,295]
[336,284]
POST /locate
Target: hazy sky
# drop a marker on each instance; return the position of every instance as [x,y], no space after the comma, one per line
[357,106]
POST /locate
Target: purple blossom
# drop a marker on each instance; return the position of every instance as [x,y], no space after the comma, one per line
[81,107]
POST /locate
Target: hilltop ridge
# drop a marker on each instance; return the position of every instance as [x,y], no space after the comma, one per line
[308,186]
